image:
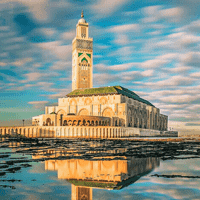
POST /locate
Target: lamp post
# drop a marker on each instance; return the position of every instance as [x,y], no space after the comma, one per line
[23,121]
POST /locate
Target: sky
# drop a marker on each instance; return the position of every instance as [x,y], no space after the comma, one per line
[150,47]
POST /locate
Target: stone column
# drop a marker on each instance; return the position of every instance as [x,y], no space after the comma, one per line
[91,110]
[99,109]
[116,109]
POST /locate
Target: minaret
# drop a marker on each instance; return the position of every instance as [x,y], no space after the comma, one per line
[82,56]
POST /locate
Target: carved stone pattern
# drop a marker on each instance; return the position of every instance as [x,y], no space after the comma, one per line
[84,44]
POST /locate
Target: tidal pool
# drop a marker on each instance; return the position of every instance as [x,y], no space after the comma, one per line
[98,169]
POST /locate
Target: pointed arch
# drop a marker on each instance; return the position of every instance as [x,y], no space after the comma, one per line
[61,112]
[83,111]
[108,112]
[103,100]
[87,101]
[73,102]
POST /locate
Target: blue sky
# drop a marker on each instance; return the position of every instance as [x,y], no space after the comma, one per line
[151,47]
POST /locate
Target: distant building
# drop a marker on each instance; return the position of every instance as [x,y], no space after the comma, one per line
[104,106]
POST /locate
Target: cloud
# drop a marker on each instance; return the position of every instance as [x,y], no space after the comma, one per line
[102,46]
[61,65]
[121,67]
[56,48]
[159,61]
[22,62]
[125,28]
[193,27]
[151,49]
[191,59]
[171,82]
[122,33]
[172,14]
[38,76]
[45,86]
[104,78]
[194,107]
[179,104]
[154,63]
[155,32]
[104,7]
[38,104]
[178,40]
[121,39]
[148,73]
[32,76]
[48,31]
[179,99]
[123,53]
[37,7]
[70,35]
[180,69]
[3,64]
[157,13]
[59,93]
[131,76]
[40,9]
[100,67]
[195,74]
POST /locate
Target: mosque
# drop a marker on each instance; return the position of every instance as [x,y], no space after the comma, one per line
[114,106]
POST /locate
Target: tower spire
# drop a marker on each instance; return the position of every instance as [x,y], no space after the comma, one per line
[82,15]
[82,56]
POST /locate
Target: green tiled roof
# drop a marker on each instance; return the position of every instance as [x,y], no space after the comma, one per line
[108,185]
[93,184]
[108,90]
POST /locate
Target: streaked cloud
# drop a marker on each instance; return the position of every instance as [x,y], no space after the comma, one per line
[152,49]
[103,7]
[156,13]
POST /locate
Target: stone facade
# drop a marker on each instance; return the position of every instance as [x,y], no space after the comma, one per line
[99,109]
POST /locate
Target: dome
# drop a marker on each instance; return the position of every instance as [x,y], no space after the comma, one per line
[81,20]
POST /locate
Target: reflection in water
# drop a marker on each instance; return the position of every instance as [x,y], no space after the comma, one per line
[104,174]
[101,166]
[84,165]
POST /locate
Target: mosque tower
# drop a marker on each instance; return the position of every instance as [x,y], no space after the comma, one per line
[82,56]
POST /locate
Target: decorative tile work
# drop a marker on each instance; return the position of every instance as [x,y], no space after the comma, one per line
[84,59]
[88,55]
[84,44]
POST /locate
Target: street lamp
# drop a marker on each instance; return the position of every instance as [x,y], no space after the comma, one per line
[23,121]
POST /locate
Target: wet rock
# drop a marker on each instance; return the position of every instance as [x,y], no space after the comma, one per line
[8,186]
[26,165]
[2,173]
[10,180]
[4,156]
[4,166]
[12,162]
[13,169]
[175,176]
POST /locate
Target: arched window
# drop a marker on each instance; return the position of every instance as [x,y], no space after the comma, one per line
[48,122]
